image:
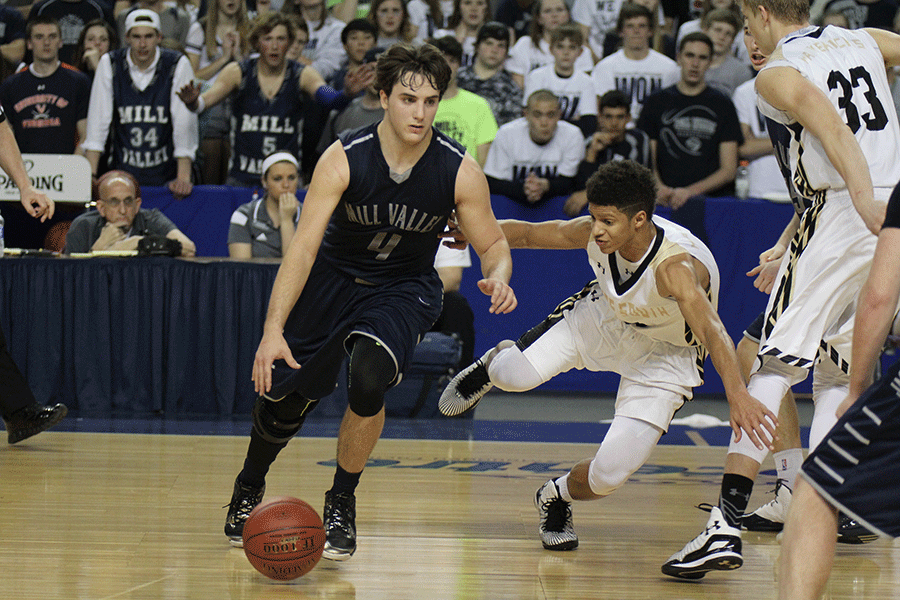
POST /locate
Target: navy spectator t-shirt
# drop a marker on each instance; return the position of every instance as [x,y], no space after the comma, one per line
[688,131]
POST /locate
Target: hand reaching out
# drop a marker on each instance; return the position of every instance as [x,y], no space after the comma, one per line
[767,270]
[189,94]
[359,78]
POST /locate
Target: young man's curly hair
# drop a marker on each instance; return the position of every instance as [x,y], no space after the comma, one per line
[625,185]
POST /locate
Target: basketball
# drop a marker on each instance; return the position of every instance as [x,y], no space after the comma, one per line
[284,538]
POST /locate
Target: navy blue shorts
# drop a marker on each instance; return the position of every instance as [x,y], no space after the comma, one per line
[754,330]
[333,308]
[856,468]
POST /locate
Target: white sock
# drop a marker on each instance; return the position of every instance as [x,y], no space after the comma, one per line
[787,465]
[562,485]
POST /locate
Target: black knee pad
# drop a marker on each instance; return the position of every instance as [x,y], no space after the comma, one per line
[371,372]
[278,422]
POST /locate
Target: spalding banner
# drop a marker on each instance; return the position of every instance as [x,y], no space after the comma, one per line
[63,177]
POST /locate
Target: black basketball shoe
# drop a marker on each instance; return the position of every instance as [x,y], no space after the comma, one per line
[340,525]
[243,500]
[851,532]
[32,420]
[771,515]
[717,548]
[465,389]
[556,528]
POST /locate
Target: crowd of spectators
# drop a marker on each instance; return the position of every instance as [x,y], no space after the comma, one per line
[187,92]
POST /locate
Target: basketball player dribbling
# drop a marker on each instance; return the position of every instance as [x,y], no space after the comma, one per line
[358,279]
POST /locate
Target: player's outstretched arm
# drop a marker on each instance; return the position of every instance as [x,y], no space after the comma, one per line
[787,90]
[770,260]
[889,44]
[37,204]
[329,181]
[875,313]
[571,234]
[685,279]
[477,222]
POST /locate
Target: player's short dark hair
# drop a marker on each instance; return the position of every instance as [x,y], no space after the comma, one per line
[794,12]
[625,185]
[449,45]
[402,61]
[264,24]
[567,31]
[493,30]
[41,20]
[363,25]
[615,99]
[116,174]
[631,10]
[695,36]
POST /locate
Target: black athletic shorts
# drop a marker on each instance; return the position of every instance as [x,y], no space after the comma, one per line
[334,307]
[856,468]
[754,330]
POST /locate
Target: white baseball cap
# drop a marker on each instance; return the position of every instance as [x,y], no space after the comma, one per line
[142,17]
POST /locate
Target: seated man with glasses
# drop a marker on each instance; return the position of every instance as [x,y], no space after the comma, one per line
[119,222]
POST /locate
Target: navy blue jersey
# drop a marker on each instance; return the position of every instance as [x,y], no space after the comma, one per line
[780,136]
[44,111]
[142,120]
[382,230]
[259,126]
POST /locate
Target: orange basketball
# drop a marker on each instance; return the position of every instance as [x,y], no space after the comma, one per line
[284,538]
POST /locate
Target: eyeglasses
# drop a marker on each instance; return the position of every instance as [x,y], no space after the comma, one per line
[114,203]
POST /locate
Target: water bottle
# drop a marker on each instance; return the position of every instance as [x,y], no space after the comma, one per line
[742,180]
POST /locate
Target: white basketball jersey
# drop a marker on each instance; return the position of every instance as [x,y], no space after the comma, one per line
[631,289]
[849,68]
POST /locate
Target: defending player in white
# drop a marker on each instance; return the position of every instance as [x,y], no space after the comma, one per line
[828,86]
[650,316]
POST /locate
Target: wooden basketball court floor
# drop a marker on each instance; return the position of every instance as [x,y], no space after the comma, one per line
[101,516]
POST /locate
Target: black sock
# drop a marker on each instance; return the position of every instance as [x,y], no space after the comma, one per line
[260,456]
[734,497]
[344,481]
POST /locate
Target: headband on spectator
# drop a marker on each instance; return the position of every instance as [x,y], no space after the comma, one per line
[277,158]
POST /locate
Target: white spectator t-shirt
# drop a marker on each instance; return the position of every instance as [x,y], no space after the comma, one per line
[524,57]
[576,93]
[513,154]
[324,48]
[600,16]
[766,180]
[420,16]
[636,78]
[468,46]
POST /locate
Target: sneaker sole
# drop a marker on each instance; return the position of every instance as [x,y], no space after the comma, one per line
[236,542]
[560,547]
[857,539]
[337,555]
[723,562]
[60,415]
[754,523]
[451,403]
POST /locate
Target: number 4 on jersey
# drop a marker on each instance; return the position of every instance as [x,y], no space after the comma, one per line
[383,249]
